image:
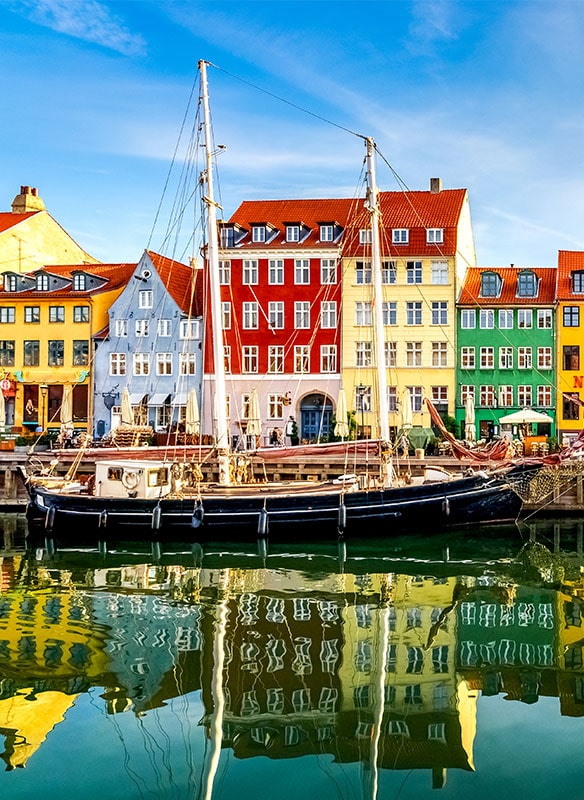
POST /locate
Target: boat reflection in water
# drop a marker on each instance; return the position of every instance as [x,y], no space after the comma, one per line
[375,659]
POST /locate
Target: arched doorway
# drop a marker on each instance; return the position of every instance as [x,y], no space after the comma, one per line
[316,412]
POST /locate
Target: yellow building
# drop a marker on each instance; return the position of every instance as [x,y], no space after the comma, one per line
[31,238]
[570,344]
[427,245]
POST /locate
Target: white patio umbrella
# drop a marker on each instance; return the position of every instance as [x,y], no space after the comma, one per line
[470,431]
[127,410]
[406,411]
[524,417]
[341,426]
[66,413]
[192,417]
[254,422]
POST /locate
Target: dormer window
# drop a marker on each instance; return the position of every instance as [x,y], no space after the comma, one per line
[527,284]
[10,283]
[400,236]
[79,282]
[258,233]
[292,233]
[42,283]
[365,236]
[228,237]
[327,233]
[490,284]
[578,282]
[434,235]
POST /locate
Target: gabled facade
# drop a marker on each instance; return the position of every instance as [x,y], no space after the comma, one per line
[152,345]
[506,344]
[570,343]
[47,319]
[31,238]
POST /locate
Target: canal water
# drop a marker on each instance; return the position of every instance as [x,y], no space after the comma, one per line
[450,665]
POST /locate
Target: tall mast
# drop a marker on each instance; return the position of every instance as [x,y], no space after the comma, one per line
[220,399]
[372,205]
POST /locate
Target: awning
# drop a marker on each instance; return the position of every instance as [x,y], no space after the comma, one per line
[158,399]
[136,398]
[180,399]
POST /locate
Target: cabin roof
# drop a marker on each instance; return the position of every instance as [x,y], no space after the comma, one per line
[569,261]
[184,284]
[471,289]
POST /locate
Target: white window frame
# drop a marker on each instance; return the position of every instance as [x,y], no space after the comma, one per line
[187,363]
[250,315]
[141,327]
[328,271]
[276,315]
[468,319]
[302,315]
[276,271]
[276,358]
[141,364]
[328,314]
[434,235]
[249,359]
[249,272]
[302,359]
[328,358]
[439,273]
[301,271]
[400,236]
[145,298]
[164,328]
[117,364]
[163,364]
[468,357]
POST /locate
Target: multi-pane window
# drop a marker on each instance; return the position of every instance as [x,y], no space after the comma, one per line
[163,328]
[439,354]
[434,235]
[275,406]
[490,284]
[414,313]
[328,314]
[56,353]
[388,272]
[249,275]
[79,282]
[302,314]
[32,353]
[227,359]
[440,313]
[526,284]
[276,315]
[250,315]
[10,283]
[56,313]
[301,358]
[413,354]
[524,395]
[258,233]
[487,318]
[7,314]
[142,327]
[524,318]
[363,354]
[7,353]
[571,357]
[226,315]
[363,272]
[328,270]
[164,363]
[392,398]
[292,233]
[505,396]
[466,390]
[121,327]
[544,318]
[570,406]
[487,358]
[225,273]
[389,312]
[544,396]
[42,283]
[487,396]
[327,233]
[228,237]
[439,395]
[249,359]
[413,272]
[276,358]
[301,271]
[141,365]
[467,358]
[439,272]
[117,364]
[524,360]
[365,236]
[505,358]
[328,358]
[505,319]
[145,298]
[468,318]
[186,363]
[363,313]
[400,236]
[571,316]
[189,329]
[544,357]
[390,349]
[416,396]
[276,271]
[80,313]
[80,352]
[362,398]
[32,314]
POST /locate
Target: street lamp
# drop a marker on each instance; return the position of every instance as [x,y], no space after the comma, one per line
[361,395]
[44,389]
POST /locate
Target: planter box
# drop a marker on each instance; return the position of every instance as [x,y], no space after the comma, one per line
[7,445]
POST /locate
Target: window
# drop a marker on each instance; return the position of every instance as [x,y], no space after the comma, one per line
[486,318]
[141,363]
[416,394]
[415,660]
[275,406]
[524,360]
[571,316]
[32,314]
[225,273]
[328,270]
[276,315]
[440,313]
[413,272]
[363,272]
[228,237]
[145,298]
[434,235]
[250,359]
[56,313]
[413,695]
[250,315]
[327,233]
[468,318]
[363,314]
[439,273]
[466,391]
[121,327]
[363,398]
[301,358]
[365,236]
[292,233]
[79,282]
[186,364]
[392,398]
[164,363]
[437,730]
[32,352]
[414,313]
[363,354]
[526,284]
[276,271]
[7,314]
[276,358]
[328,358]
[400,236]
[544,318]
[80,313]
[544,396]
[490,284]
[578,282]
[413,354]
[226,316]
[42,283]
[487,396]
[571,357]
[524,396]
[524,318]
[440,395]
[227,361]
[141,327]
[301,271]
[505,358]
[388,273]
[117,363]
[544,357]
[505,319]
[487,357]
[80,352]
[328,314]
[439,354]
[467,358]
[505,396]
[11,283]
[390,352]
[56,353]
[571,406]
[249,272]
[389,313]
[302,315]
[189,329]
[258,233]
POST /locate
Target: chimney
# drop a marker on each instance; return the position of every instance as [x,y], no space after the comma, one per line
[435,185]
[27,201]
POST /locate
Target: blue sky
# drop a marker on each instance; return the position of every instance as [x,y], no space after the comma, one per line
[486,95]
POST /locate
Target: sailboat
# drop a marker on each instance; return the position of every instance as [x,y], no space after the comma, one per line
[166,498]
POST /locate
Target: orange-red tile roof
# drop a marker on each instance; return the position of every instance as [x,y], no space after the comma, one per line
[116,275]
[184,284]
[471,290]
[568,261]
[9,220]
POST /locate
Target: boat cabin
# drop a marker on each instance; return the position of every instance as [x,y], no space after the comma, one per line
[132,478]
